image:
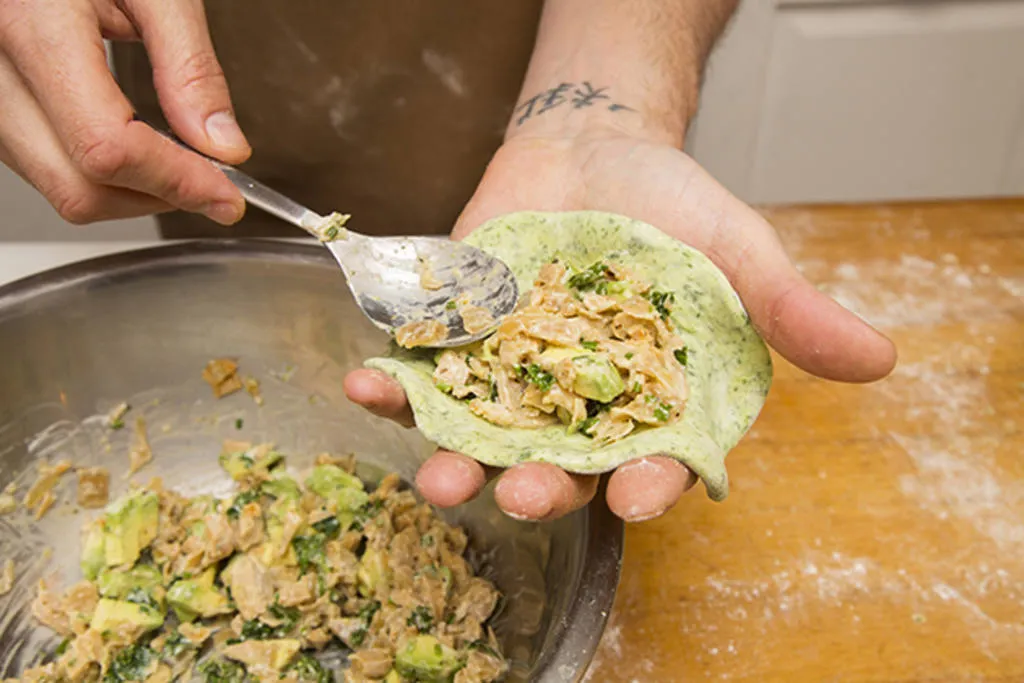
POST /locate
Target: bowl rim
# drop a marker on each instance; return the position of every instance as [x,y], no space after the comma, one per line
[586,617]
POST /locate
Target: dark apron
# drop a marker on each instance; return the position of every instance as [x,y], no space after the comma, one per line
[385,109]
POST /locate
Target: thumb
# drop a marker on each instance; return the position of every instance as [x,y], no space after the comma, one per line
[188,77]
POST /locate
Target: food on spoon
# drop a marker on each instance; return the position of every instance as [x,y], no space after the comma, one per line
[421,333]
[331,227]
[475,318]
[428,280]
[629,344]
[93,487]
[248,587]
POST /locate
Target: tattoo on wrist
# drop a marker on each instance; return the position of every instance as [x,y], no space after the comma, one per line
[581,95]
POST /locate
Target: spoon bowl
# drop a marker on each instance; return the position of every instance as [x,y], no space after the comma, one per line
[398,280]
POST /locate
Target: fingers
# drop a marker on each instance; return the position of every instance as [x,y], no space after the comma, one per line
[31,148]
[380,394]
[541,492]
[647,488]
[188,77]
[57,50]
[448,479]
[807,327]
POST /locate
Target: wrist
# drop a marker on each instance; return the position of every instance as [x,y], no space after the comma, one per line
[591,108]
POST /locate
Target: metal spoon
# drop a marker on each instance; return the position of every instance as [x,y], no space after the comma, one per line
[384,273]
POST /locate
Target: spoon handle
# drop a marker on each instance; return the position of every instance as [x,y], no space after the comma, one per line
[258,194]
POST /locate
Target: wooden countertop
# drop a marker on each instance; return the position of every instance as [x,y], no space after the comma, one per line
[873,533]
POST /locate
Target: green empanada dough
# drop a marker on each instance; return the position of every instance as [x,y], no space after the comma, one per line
[728,365]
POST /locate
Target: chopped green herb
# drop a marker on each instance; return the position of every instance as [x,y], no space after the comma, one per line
[239,422]
[329,526]
[307,670]
[309,551]
[589,278]
[637,388]
[117,423]
[588,345]
[663,412]
[175,645]
[680,355]
[62,648]
[130,664]
[451,305]
[421,619]
[331,232]
[586,425]
[141,597]
[220,671]
[446,388]
[240,501]
[535,374]
[367,512]
[629,355]
[661,301]
[483,646]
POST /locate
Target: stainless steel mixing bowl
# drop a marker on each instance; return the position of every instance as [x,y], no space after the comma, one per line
[139,327]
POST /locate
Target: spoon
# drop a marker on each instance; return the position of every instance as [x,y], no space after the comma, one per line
[387,274]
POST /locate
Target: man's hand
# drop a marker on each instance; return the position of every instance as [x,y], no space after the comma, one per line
[67,128]
[661,185]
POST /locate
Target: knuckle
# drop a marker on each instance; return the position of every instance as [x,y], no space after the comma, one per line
[75,206]
[99,155]
[201,70]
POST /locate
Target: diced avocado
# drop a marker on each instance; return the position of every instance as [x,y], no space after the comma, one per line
[242,465]
[372,572]
[94,556]
[272,654]
[130,525]
[117,584]
[110,614]
[333,483]
[596,377]
[282,486]
[198,597]
[424,658]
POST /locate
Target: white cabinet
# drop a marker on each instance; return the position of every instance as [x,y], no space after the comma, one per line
[837,100]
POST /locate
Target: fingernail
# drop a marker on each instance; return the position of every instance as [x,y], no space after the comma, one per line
[224,132]
[223,213]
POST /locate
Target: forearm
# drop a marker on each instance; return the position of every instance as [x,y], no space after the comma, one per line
[630,66]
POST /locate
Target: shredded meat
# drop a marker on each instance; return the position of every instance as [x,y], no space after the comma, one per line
[475,318]
[40,496]
[222,376]
[594,349]
[420,333]
[93,487]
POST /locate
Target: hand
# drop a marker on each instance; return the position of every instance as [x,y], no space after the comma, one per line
[67,128]
[658,184]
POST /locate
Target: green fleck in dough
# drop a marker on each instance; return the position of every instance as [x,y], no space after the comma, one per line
[727,364]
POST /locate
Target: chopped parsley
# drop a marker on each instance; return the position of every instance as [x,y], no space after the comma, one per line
[328,526]
[586,425]
[130,664]
[629,355]
[680,355]
[220,671]
[535,374]
[367,512]
[366,614]
[661,301]
[588,345]
[142,598]
[637,388]
[446,388]
[239,422]
[451,305]
[240,501]
[663,412]
[421,619]
[589,278]
[174,645]
[254,629]
[308,670]
[309,551]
